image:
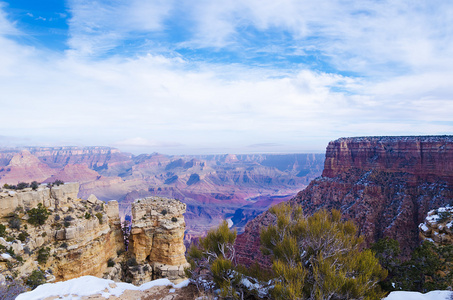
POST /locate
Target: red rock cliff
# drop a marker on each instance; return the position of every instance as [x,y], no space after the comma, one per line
[425,157]
[385,184]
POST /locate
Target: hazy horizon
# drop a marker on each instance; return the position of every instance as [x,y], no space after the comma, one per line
[203,77]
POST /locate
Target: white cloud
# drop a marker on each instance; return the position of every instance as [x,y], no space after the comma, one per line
[142,142]
[172,102]
[99,26]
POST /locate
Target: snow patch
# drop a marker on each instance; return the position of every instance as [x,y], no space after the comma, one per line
[423,227]
[76,288]
[433,295]
[6,256]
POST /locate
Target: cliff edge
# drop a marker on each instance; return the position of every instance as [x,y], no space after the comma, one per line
[386,185]
[53,231]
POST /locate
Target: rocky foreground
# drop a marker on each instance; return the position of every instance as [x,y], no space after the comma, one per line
[51,235]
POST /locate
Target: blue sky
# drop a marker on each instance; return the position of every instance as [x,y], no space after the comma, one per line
[186,77]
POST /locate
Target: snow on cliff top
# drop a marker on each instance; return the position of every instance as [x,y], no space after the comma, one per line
[76,288]
[422,138]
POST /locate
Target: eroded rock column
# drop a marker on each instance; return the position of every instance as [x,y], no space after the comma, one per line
[157,238]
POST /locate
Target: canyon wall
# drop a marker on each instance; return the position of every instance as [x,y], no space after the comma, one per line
[422,157]
[386,185]
[78,237]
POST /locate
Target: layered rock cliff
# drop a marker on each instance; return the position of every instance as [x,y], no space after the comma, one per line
[157,239]
[78,237]
[385,184]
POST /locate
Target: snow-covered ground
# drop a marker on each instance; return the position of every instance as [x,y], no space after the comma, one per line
[433,295]
[76,288]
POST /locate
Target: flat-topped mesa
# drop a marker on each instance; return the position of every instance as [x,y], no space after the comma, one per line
[424,157]
[157,236]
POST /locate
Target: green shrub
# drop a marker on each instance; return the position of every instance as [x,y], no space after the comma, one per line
[319,255]
[22,185]
[174,219]
[58,182]
[87,215]
[2,230]
[99,216]
[131,262]
[38,215]
[64,245]
[35,279]
[10,251]
[110,262]
[164,212]
[22,236]
[34,185]
[43,255]
[212,262]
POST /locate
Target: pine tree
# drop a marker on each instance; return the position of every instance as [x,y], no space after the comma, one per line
[319,257]
[212,263]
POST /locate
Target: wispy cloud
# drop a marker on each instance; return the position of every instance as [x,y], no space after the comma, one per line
[380,68]
[99,26]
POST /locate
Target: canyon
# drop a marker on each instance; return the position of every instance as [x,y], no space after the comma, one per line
[213,187]
[386,185]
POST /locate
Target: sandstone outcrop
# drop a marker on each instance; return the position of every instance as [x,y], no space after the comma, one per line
[385,184]
[27,198]
[78,238]
[157,238]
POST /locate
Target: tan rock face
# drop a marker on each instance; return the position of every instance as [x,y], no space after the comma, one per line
[80,236]
[27,198]
[157,234]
